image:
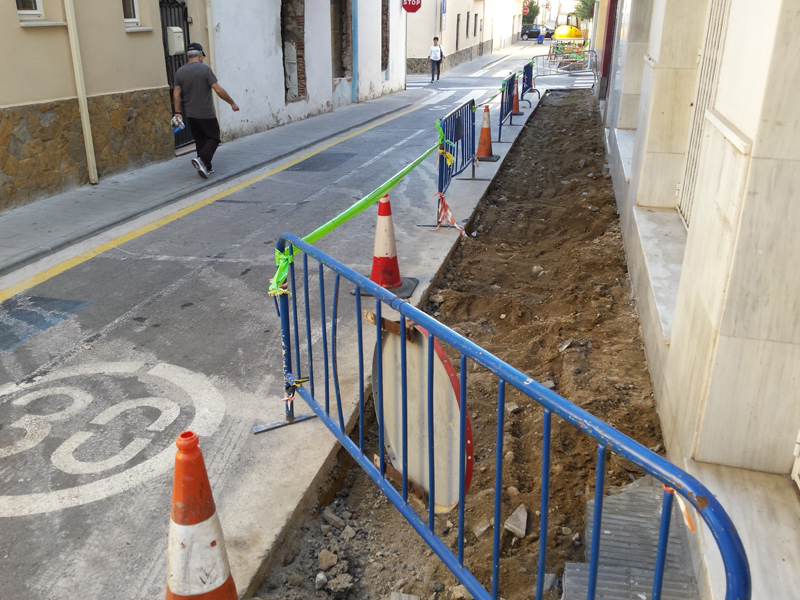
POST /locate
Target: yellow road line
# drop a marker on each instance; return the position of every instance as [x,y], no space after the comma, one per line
[89,254]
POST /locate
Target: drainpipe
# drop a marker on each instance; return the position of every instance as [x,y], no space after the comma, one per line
[608,45]
[211,56]
[354,25]
[80,86]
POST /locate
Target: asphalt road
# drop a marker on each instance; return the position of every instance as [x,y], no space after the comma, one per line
[172,330]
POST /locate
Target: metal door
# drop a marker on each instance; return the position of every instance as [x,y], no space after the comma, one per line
[174,13]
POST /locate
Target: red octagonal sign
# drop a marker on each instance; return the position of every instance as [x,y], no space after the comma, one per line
[412,6]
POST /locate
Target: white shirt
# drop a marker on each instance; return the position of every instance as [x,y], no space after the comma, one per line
[435,53]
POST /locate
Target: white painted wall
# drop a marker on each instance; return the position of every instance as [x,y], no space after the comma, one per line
[422,26]
[249,64]
[372,81]
[506,22]
[248,61]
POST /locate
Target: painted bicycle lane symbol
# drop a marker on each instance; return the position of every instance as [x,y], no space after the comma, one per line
[76,405]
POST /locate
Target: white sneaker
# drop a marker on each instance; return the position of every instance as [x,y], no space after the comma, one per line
[201,168]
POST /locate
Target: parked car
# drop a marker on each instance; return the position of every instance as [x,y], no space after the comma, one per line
[531,32]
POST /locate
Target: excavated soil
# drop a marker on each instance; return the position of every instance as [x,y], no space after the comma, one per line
[541,282]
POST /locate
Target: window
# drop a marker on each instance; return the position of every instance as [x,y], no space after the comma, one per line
[475,27]
[30,9]
[467,32]
[130,11]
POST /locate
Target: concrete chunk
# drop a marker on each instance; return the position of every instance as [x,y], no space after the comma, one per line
[327,559]
[481,529]
[332,518]
[517,522]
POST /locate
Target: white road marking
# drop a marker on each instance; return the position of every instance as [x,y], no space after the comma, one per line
[473,95]
[37,427]
[209,407]
[502,73]
[438,98]
[372,160]
[64,456]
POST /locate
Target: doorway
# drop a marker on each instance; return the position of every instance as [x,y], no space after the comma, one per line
[175,14]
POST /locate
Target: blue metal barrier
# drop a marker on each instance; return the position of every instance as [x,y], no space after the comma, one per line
[608,439]
[507,103]
[459,134]
[527,81]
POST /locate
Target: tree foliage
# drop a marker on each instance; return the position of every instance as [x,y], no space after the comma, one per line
[533,12]
[584,9]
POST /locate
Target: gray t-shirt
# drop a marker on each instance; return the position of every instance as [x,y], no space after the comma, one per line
[195,80]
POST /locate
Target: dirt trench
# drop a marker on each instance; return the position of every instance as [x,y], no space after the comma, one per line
[541,282]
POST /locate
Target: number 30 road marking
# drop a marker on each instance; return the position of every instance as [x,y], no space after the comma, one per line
[209,409]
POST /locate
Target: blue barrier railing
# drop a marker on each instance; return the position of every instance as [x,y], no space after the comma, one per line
[573,63]
[527,81]
[608,439]
[459,135]
[507,103]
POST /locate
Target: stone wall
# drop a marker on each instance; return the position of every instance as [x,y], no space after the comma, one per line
[420,65]
[41,145]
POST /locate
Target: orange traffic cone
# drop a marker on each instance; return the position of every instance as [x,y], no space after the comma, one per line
[485,141]
[385,269]
[515,111]
[197,562]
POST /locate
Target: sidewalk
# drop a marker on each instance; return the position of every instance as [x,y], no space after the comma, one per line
[36,230]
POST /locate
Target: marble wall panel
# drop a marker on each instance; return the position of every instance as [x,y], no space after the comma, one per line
[719,194]
[752,413]
[764,290]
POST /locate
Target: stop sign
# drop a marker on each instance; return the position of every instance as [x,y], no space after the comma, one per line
[412,6]
[525,10]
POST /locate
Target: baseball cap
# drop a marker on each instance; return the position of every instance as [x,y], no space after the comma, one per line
[195,46]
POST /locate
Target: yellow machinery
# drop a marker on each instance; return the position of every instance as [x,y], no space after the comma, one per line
[571,30]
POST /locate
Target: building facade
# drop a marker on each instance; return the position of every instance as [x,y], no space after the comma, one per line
[466,30]
[77,71]
[702,132]
[89,83]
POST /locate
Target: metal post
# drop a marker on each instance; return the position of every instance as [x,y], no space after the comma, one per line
[599,486]
[498,487]
[431,461]
[663,540]
[544,506]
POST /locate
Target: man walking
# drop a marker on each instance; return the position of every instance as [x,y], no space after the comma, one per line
[193,101]
[435,57]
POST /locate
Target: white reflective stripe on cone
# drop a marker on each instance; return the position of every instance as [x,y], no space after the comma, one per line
[197,561]
[385,245]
